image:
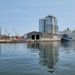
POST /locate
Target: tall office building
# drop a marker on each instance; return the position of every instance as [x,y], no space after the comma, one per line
[48,25]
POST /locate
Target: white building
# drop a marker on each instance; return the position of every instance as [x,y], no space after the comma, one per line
[73,35]
[68,32]
[48,25]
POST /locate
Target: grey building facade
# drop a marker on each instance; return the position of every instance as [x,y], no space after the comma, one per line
[48,25]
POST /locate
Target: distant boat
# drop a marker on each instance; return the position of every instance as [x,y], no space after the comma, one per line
[66,38]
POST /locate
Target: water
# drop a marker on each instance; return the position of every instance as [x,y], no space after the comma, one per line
[42,58]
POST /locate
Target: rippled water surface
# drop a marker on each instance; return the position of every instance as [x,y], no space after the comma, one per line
[43,58]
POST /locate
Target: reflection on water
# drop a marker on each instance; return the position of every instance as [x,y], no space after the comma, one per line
[68,46]
[38,58]
[34,45]
[48,53]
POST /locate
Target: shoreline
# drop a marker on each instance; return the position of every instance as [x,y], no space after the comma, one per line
[27,41]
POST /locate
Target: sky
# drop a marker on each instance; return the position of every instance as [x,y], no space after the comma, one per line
[23,15]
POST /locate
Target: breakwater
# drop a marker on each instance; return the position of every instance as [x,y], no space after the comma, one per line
[12,41]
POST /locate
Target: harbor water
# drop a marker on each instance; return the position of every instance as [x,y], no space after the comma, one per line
[38,58]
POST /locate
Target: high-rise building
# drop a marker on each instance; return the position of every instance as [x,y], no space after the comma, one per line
[48,25]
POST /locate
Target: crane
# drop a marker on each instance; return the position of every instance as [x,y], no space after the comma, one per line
[15,32]
[17,35]
[7,33]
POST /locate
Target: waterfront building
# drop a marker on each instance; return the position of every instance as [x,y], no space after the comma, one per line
[43,36]
[73,35]
[68,32]
[48,25]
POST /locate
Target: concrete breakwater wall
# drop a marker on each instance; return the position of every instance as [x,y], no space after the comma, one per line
[12,41]
[25,41]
